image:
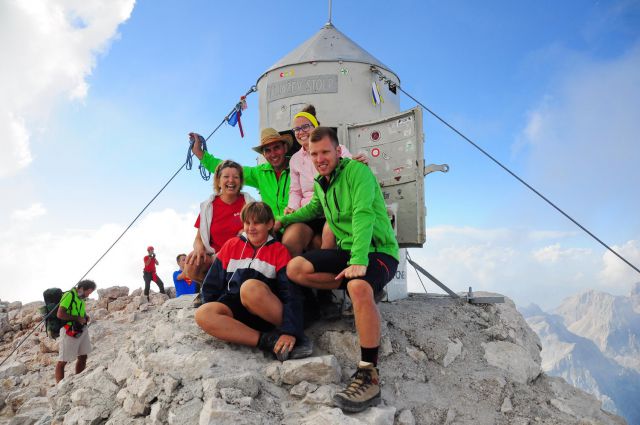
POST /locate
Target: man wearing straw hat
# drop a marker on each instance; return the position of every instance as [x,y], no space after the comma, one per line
[271,178]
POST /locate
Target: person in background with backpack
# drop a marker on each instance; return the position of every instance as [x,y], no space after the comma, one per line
[74,336]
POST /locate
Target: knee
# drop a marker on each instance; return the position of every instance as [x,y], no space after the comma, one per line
[297,268]
[203,315]
[252,291]
[360,291]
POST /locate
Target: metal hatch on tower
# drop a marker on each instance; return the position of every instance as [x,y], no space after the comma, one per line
[395,148]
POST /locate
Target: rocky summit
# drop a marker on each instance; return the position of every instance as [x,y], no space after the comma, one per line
[442,362]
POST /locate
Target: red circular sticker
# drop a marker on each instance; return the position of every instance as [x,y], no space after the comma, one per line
[375,152]
[375,135]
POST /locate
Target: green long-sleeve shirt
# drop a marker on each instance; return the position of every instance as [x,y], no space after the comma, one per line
[354,207]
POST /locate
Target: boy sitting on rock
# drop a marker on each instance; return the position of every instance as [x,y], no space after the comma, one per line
[247,297]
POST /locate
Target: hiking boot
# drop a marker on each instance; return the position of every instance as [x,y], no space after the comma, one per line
[363,391]
[267,342]
[302,349]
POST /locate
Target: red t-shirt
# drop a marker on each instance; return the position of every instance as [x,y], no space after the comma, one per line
[226,221]
[151,267]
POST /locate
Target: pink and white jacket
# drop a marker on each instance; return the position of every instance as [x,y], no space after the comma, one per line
[302,174]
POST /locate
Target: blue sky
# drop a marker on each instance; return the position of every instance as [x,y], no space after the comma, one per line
[99,96]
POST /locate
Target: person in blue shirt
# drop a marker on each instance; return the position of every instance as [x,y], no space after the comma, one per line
[183,284]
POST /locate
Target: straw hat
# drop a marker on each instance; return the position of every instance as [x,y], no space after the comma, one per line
[270,135]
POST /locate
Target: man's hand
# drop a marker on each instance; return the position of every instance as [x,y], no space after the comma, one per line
[197,146]
[87,318]
[277,226]
[196,256]
[288,210]
[284,343]
[353,271]
[361,157]
[81,320]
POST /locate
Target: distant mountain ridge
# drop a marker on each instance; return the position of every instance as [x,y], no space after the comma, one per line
[592,340]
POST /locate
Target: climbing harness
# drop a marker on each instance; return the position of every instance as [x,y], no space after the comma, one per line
[393,86]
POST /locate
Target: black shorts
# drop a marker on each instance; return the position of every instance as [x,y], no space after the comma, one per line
[381,269]
[317,224]
[241,314]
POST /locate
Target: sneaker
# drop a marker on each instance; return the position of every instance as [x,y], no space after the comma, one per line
[363,391]
[302,349]
[267,342]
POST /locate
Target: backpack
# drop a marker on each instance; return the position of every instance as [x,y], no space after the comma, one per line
[52,297]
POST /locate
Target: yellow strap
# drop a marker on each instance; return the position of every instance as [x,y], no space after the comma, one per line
[308,116]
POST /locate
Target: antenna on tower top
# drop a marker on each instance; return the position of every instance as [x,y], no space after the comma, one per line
[329,23]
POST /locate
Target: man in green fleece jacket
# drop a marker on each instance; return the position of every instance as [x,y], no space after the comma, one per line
[349,195]
[271,178]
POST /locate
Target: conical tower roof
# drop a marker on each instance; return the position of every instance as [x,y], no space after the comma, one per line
[328,45]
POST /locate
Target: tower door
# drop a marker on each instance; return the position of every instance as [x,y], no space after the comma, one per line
[396,156]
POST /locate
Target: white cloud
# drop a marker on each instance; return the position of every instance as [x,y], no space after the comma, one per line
[554,253]
[510,262]
[617,274]
[59,258]
[34,211]
[49,49]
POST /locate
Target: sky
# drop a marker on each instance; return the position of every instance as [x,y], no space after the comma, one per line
[97,97]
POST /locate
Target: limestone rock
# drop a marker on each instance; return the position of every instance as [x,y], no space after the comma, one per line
[247,383]
[301,389]
[113,292]
[406,418]
[33,411]
[157,367]
[506,406]
[454,348]
[319,370]
[117,304]
[323,395]
[5,326]
[12,369]
[513,359]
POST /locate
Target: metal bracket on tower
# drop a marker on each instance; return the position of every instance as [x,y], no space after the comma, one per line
[470,297]
[443,168]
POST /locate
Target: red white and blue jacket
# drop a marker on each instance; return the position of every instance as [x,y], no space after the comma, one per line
[239,261]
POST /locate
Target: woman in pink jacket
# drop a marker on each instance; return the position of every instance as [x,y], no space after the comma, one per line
[314,234]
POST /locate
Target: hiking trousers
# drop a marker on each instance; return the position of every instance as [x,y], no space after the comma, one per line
[148,277]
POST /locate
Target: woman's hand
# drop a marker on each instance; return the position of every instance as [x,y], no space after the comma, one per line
[362,157]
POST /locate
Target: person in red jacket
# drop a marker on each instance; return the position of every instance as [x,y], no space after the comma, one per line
[149,272]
